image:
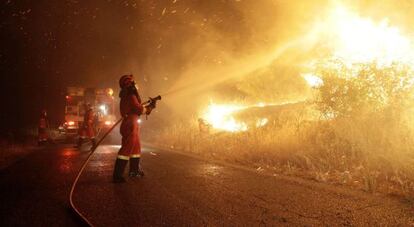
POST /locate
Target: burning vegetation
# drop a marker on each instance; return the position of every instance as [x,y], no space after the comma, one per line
[354,126]
[223,117]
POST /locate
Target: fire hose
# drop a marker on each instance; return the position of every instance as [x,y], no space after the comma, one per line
[72,205]
[151,103]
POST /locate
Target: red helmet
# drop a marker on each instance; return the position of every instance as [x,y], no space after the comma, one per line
[123,81]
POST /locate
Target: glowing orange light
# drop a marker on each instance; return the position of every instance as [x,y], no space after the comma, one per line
[355,39]
[361,40]
[71,123]
[313,80]
[110,91]
[221,116]
[108,123]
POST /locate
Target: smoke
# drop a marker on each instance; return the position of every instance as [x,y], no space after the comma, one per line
[254,51]
[221,47]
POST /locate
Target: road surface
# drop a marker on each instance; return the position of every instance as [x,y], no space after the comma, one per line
[179,190]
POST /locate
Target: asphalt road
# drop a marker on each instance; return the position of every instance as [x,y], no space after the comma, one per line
[179,190]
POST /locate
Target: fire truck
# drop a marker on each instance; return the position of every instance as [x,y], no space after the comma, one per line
[101,100]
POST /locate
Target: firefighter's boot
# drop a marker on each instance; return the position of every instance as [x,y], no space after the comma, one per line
[134,168]
[119,170]
[80,142]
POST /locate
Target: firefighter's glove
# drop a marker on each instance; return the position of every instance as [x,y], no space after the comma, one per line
[152,104]
[147,109]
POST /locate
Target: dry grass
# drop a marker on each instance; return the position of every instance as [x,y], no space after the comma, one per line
[357,152]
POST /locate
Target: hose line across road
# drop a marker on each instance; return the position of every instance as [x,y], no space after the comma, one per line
[72,204]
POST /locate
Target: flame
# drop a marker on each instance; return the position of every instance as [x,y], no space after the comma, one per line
[361,40]
[261,122]
[221,116]
[353,41]
[313,80]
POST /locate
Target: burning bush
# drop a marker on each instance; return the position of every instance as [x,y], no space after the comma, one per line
[369,91]
[371,111]
[363,137]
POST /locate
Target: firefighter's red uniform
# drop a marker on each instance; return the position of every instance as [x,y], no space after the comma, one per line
[43,126]
[130,108]
[87,130]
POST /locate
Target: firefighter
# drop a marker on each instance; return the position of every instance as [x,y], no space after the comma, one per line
[131,108]
[203,126]
[43,127]
[87,130]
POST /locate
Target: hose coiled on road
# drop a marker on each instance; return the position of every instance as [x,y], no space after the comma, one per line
[72,205]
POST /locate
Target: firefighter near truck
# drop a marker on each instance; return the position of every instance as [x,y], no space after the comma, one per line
[101,100]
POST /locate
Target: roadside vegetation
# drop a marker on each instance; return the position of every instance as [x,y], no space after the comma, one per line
[357,131]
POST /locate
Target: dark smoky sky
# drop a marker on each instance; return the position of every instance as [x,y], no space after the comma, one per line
[89,42]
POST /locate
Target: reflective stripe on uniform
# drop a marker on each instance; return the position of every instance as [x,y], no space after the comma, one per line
[123,157]
[135,156]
